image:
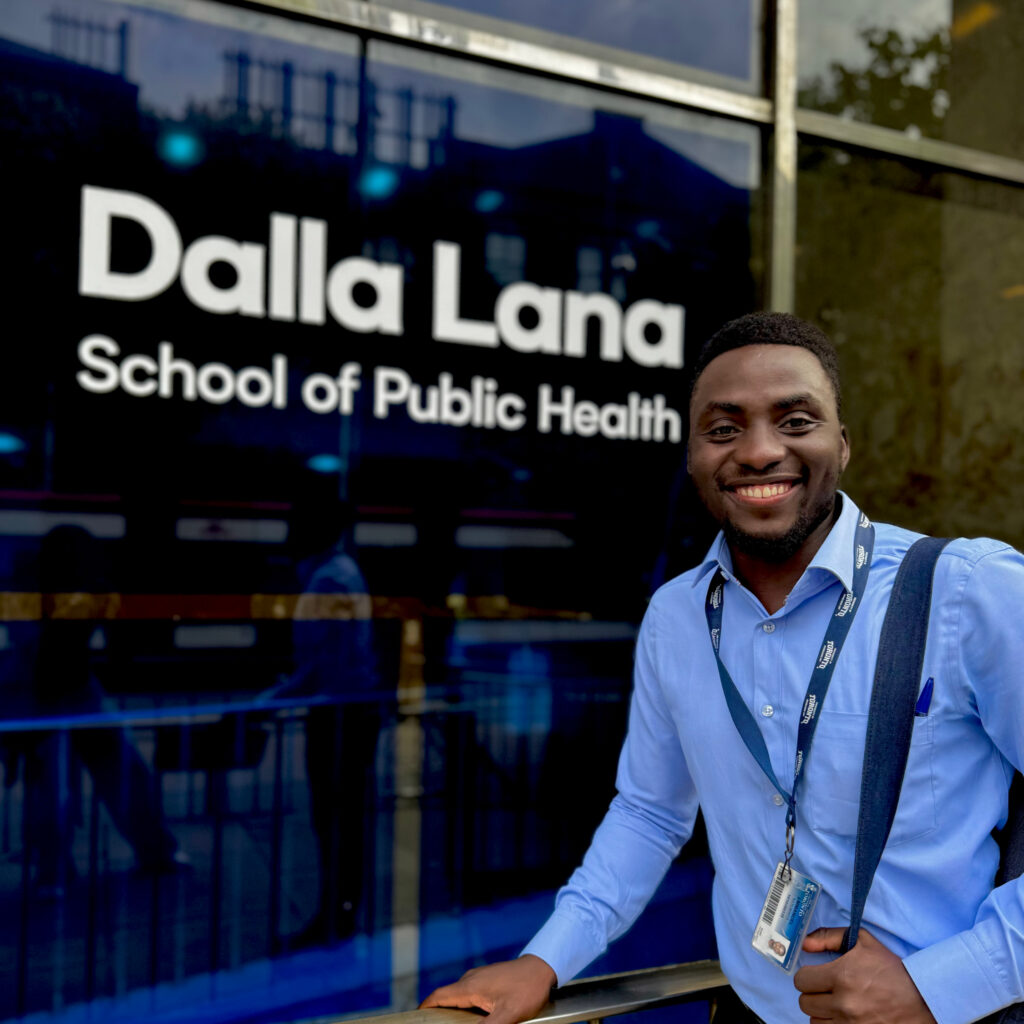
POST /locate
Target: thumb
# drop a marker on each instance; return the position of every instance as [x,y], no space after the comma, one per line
[825,940]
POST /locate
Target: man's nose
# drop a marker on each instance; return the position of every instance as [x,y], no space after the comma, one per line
[760,447]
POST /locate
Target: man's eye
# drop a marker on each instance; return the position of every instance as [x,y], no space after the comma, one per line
[798,423]
[723,430]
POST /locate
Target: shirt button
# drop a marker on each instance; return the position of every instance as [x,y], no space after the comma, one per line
[769,627]
[767,711]
[777,800]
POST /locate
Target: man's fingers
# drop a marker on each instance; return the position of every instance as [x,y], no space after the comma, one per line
[815,978]
[441,997]
[868,983]
[816,1007]
[458,995]
[508,992]
[825,940]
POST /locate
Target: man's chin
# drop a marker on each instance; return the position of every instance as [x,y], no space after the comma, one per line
[782,543]
[775,546]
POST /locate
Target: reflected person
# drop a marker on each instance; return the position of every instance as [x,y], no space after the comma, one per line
[332,637]
[72,579]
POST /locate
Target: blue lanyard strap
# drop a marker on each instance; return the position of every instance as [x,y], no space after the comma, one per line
[821,674]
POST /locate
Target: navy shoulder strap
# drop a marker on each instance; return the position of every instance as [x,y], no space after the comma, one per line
[1011,838]
[891,715]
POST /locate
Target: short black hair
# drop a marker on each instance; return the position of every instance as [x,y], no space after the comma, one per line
[772,329]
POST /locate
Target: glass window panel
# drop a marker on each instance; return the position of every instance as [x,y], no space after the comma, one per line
[294,581]
[716,41]
[916,275]
[940,69]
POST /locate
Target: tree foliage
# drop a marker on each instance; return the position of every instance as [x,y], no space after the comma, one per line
[903,85]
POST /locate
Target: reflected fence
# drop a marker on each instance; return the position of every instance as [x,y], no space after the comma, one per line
[144,849]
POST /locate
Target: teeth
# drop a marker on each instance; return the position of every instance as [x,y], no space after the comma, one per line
[768,491]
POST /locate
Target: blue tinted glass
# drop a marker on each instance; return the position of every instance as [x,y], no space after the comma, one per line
[338,466]
[717,36]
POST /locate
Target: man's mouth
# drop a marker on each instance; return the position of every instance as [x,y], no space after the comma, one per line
[763,493]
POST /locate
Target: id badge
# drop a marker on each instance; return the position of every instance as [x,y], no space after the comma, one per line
[785,917]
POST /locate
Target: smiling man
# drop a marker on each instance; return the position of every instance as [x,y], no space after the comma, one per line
[786,607]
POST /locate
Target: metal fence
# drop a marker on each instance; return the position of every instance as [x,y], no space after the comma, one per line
[142,849]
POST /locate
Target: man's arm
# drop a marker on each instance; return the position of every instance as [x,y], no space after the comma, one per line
[650,818]
[978,970]
[974,972]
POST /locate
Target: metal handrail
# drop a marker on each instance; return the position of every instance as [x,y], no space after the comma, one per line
[593,999]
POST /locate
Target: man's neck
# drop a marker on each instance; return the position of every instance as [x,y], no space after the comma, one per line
[771,582]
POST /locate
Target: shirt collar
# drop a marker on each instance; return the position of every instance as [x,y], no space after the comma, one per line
[835,556]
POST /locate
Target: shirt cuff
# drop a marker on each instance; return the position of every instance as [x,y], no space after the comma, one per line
[958,979]
[564,945]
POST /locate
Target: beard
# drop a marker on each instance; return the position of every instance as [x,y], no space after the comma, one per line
[779,549]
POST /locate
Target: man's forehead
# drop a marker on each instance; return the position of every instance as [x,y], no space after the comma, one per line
[762,374]
[780,404]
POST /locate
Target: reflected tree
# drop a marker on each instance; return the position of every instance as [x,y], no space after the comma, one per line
[903,85]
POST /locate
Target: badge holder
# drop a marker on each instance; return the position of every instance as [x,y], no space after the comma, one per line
[786,914]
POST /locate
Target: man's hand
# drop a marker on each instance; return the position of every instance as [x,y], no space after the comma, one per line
[868,985]
[510,992]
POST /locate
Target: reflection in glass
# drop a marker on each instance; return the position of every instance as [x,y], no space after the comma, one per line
[715,39]
[932,69]
[916,276]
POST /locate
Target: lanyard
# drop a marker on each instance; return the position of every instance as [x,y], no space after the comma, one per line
[821,674]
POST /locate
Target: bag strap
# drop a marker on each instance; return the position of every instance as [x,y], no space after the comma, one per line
[894,695]
[1011,865]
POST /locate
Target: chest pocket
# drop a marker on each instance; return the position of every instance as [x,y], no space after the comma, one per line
[831,800]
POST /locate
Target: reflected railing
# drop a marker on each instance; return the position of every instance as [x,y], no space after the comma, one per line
[94,808]
[149,847]
[465,772]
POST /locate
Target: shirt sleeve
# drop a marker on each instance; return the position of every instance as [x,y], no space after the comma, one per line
[650,818]
[978,971]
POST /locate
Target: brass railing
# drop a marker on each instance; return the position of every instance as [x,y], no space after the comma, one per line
[593,999]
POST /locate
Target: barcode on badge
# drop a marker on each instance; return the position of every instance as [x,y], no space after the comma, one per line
[771,905]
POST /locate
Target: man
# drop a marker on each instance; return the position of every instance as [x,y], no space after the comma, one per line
[767,447]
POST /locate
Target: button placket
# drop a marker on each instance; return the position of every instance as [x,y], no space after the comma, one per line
[768,670]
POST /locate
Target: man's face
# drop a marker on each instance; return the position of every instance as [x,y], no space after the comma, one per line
[766,447]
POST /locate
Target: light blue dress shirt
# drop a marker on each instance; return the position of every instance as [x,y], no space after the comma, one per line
[932,901]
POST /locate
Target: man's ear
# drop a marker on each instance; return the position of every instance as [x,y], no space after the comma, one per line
[845,439]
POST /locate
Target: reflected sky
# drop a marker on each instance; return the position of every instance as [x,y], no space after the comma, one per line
[830,29]
[714,35]
[512,110]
